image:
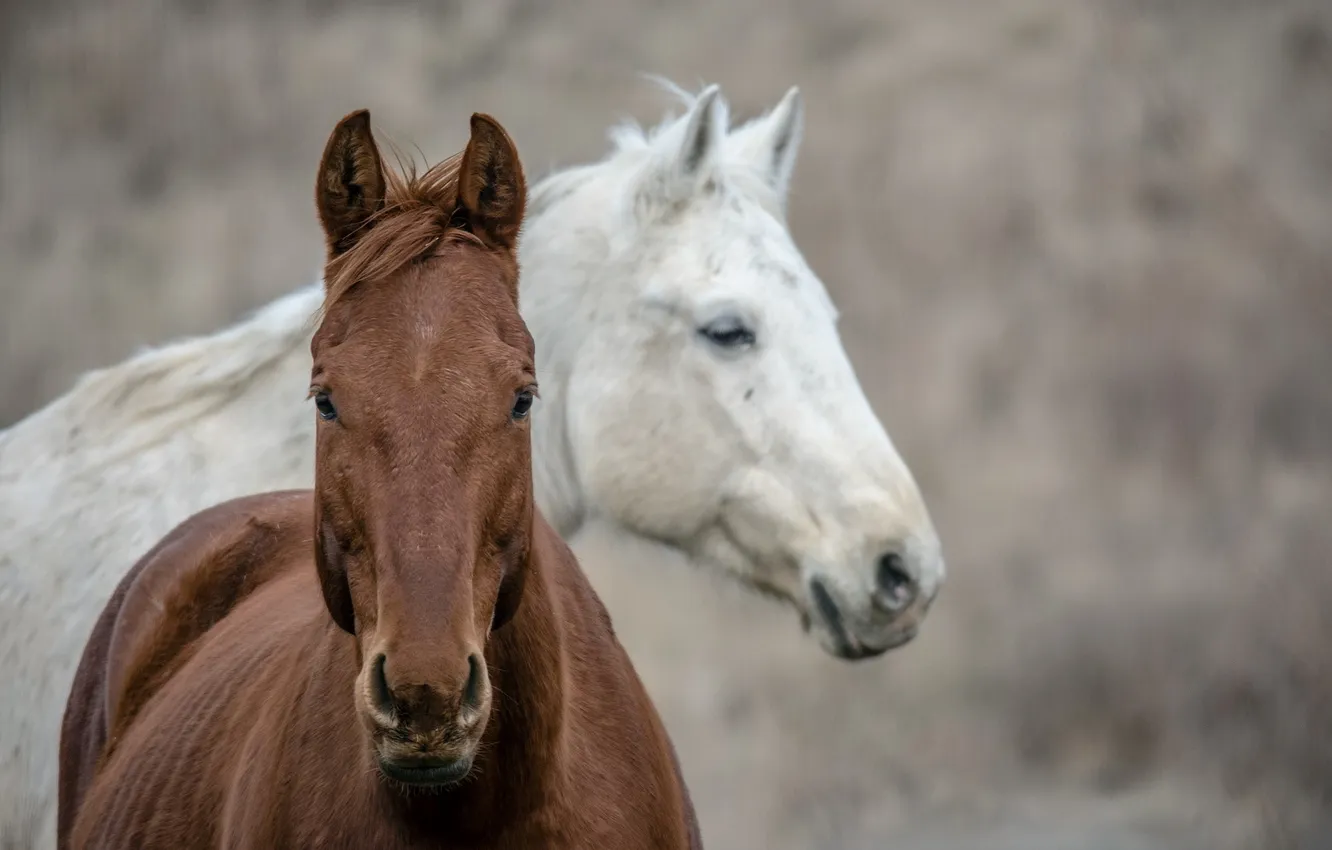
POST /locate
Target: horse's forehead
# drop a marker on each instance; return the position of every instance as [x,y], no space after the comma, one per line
[750,229]
[744,253]
[416,355]
[440,306]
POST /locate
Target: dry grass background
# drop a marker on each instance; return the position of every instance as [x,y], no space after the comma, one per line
[1083,250]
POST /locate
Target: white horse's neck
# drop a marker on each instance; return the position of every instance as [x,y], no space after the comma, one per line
[555,271]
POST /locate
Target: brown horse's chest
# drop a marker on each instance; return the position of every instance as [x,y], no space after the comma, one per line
[252,743]
[557,829]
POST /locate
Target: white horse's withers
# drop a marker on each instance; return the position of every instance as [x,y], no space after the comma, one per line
[694,391]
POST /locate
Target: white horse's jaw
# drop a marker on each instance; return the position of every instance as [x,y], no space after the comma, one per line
[847,540]
[705,398]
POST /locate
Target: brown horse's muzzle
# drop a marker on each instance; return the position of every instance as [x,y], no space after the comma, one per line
[425,733]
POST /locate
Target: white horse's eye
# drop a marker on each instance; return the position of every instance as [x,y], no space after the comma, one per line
[728,332]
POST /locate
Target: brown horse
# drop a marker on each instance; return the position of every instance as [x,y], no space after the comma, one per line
[406,656]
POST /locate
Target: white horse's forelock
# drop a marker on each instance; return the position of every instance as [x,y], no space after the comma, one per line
[666,136]
[637,151]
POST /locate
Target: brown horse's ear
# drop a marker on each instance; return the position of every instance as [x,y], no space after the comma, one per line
[491,189]
[331,564]
[351,187]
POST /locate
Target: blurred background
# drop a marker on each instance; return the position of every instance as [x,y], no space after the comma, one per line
[1083,252]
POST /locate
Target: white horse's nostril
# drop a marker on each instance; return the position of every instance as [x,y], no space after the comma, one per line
[894,588]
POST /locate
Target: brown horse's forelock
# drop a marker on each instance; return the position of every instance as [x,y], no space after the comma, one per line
[415,217]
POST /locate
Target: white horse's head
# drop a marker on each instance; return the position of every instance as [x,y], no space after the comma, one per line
[706,399]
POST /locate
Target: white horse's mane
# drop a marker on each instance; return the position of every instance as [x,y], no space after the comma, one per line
[163,385]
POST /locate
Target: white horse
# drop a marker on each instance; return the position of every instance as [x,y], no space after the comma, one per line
[694,391]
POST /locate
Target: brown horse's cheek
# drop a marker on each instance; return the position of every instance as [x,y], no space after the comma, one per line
[361,582]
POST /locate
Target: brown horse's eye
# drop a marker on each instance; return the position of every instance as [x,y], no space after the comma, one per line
[522,405]
[327,411]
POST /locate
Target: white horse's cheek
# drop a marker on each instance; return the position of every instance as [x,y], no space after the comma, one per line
[767,510]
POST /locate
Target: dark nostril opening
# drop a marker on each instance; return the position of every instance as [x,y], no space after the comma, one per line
[832,618]
[379,686]
[896,588]
[472,692]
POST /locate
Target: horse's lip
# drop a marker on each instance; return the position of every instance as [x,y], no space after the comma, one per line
[426,771]
[845,644]
[851,649]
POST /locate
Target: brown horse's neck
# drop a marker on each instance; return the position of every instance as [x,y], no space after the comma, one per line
[520,753]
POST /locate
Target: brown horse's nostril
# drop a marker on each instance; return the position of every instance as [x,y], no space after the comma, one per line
[895,589]
[472,691]
[380,694]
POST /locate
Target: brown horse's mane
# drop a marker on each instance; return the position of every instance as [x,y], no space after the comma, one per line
[417,214]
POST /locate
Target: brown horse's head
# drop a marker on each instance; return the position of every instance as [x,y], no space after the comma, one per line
[423,379]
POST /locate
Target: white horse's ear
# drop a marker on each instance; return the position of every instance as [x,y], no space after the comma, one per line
[685,152]
[772,142]
[702,135]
